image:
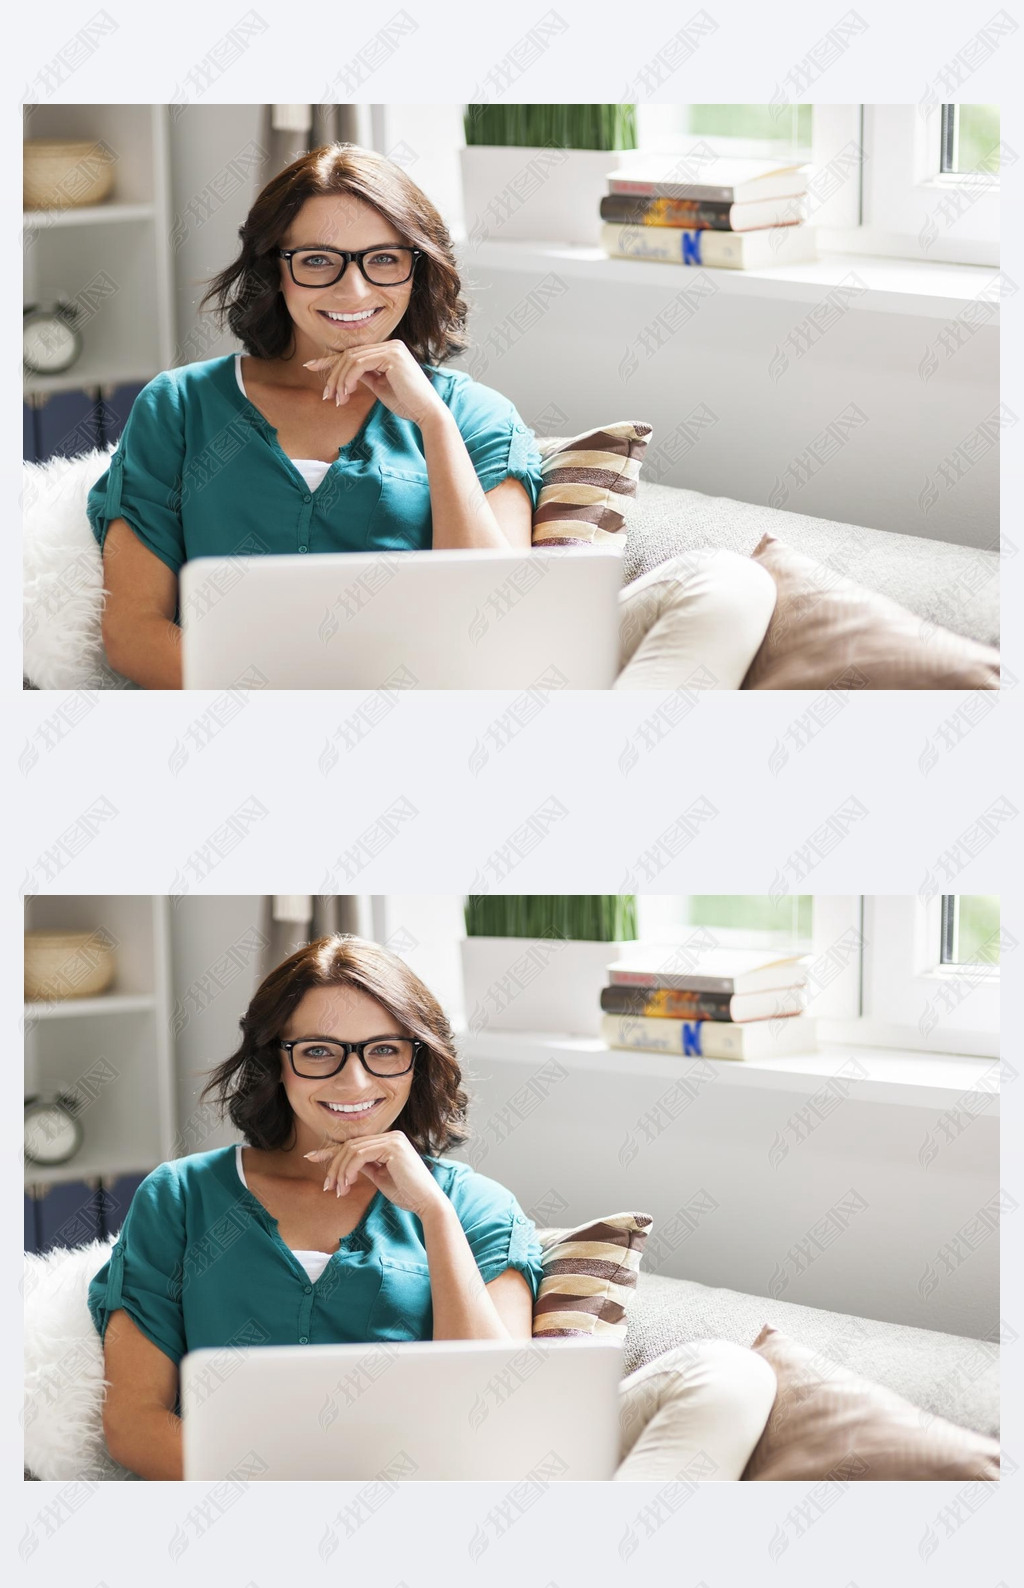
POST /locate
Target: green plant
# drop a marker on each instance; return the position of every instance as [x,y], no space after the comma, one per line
[594,917]
[552,126]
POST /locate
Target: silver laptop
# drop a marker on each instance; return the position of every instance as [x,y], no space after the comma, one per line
[481,619]
[529,1409]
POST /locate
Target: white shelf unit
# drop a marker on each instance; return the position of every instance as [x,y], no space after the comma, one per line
[113,257]
[115,1051]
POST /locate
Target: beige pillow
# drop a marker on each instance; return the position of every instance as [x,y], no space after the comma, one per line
[588,481]
[590,1275]
[828,632]
[829,1423]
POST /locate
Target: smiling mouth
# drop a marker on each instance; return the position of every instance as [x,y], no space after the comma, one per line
[338,1112]
[359,319]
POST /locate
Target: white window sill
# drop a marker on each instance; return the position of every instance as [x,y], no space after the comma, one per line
[894,286]
[921,1080]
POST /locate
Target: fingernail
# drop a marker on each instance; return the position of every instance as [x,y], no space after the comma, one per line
[338,1192]
[327,1182]
[337,400]
[325,397]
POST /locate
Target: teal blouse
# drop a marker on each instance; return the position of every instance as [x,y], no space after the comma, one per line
[199,1262]
[198,471]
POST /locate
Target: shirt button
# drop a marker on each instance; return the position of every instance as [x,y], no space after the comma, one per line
[309,1290]
[303,548]
[303,1339]
[307,497]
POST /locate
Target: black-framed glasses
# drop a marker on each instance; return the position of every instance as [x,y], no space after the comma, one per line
[322,267]
[312,1058]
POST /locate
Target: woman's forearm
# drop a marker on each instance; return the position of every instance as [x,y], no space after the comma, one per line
[149,1443]
[146,649]
[459,509]
[462,1308]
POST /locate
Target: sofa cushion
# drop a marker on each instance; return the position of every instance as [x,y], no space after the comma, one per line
[590,1274]
[947,1375]
[588,481]
[829,632]
[64,1384]
[827,1422]
[956,587]
[63,577]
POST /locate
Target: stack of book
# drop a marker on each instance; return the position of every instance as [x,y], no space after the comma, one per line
[733,1005]
[741,215]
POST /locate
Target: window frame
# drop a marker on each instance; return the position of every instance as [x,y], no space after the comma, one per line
[902,195]
[910,999]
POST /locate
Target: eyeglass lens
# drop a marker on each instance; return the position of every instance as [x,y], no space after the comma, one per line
[389,1056]
[317,268]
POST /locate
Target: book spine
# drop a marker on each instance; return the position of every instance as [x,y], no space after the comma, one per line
[666,1002]
[677,981]
[638,188]
[692,213]
[674,245]
[697,1039]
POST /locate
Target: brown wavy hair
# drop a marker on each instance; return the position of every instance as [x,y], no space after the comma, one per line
[248,293]
[248,1086]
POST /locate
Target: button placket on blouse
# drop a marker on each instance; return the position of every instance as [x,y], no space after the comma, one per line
[305,519]
[264,428]
[305,1315]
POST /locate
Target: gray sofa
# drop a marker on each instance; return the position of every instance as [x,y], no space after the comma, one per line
[946,1375]
[954,586]
[943,1374]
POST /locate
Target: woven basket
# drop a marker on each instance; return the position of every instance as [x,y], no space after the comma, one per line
[67,965]
[63,173]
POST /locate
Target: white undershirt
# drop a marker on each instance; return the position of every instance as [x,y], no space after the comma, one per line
[311,469]
[313,1262]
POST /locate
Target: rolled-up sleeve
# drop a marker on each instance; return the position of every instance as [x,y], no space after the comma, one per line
[500,1235]
[144,1272]
[499,444]
[143,482]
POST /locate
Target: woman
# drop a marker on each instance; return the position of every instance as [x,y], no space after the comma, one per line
[337,430]
[338,1222]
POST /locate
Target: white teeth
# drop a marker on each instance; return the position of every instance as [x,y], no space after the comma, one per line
[351,1108]
[347,319]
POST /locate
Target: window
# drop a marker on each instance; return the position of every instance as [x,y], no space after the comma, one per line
[970,929]
[745,920]
[970,139]
[923,987]
[884,970]
[745,131]
[930,184]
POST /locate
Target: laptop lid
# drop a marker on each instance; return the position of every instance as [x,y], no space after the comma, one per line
[445,1409]
[464,619]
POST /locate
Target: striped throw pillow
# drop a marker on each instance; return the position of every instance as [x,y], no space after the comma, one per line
[590,1275]
[588,482]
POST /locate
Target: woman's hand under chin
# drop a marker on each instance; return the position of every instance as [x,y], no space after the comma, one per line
[390,372]
[390,1162]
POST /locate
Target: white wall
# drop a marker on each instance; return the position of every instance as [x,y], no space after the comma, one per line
[588,1144]
[564,347]
[215,960]
[215,175]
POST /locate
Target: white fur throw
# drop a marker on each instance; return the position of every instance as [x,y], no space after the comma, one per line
[63,598]
[64,1381]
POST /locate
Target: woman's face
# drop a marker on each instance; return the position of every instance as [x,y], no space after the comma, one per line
[342,1014]
[341,221]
